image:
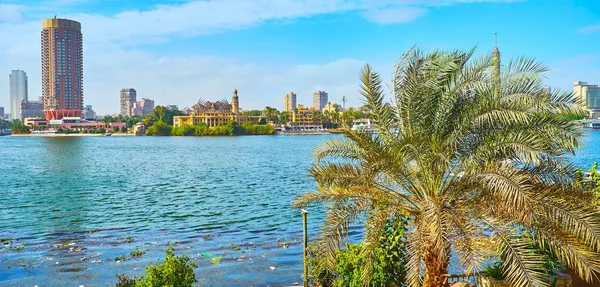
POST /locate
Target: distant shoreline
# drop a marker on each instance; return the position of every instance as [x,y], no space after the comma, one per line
[70,135]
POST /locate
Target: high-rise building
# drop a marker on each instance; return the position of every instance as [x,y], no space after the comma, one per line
[319,100]
[143,107]
[31,109]
[62,68]
[589,95]
[89,113]
[289,102]
[128,97]
[1,113]
[18,92]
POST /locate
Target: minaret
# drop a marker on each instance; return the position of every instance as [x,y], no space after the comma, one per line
[496,61]
[235,103]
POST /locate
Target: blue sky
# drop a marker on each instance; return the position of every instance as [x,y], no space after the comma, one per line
[178,51]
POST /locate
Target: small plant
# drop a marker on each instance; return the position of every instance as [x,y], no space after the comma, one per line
[127,239]
[234,247]
[174,271]
[120,258]
[20,248]
[137,253]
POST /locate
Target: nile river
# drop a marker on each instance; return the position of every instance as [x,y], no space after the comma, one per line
[69,203]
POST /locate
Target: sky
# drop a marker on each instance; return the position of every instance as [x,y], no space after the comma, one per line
[178,51]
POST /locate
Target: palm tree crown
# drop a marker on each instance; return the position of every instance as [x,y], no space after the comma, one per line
[468,160]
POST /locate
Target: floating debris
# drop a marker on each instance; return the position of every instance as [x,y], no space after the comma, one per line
[216,260]
[272,268]
[127,239]
[137,253]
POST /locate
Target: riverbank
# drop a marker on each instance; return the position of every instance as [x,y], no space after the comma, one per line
[71,135]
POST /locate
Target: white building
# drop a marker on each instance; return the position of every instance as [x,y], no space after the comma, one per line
[18,92]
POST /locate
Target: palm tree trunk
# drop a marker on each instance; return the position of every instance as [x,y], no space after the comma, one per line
[436,269]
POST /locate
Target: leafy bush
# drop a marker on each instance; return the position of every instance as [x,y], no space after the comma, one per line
[494,271]
[388,266]
[102,130]
[123,129]
[174,271]
[159,128]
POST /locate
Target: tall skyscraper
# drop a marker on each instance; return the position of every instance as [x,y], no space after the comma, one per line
[289,102]
[319,100]
[18,93]
[128,97]
[1,113]
[62,68]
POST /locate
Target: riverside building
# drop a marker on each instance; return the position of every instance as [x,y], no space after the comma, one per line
[31,109]
[589,95]
[62,68]
[214,114]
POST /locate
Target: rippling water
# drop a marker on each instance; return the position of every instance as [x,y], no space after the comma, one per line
[69,203]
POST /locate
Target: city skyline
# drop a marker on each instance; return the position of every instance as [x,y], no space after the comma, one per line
[192,57]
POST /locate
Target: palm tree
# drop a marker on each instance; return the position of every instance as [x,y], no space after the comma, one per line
[468,162]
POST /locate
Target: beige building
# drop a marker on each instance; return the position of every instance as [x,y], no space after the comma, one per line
[590,96]
[304,116]
[214,114]
[289,102]
[332,107]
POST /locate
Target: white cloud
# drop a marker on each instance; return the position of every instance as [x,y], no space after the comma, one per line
[394,15]
[590,29]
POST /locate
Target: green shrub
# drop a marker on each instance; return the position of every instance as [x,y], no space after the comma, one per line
[388,265]
[159,128]
[174,271]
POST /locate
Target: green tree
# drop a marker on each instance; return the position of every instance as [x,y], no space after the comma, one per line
[159,128]
[470,160]
[123,129]
[284,117]
[102,130]
[17,127]
[116,129]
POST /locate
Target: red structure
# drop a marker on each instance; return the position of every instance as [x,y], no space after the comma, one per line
[62,68]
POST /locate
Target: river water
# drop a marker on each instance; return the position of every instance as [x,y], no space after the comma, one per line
[69,203]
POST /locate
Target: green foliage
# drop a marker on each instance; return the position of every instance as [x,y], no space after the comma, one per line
[388,266]
[252,113]
[123,129]
[137,253]
[17,127]
[116,129]
[185,130]
[173,272]
[159,128]
[494,271]
[231,129]
[102,130]
[262,121]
